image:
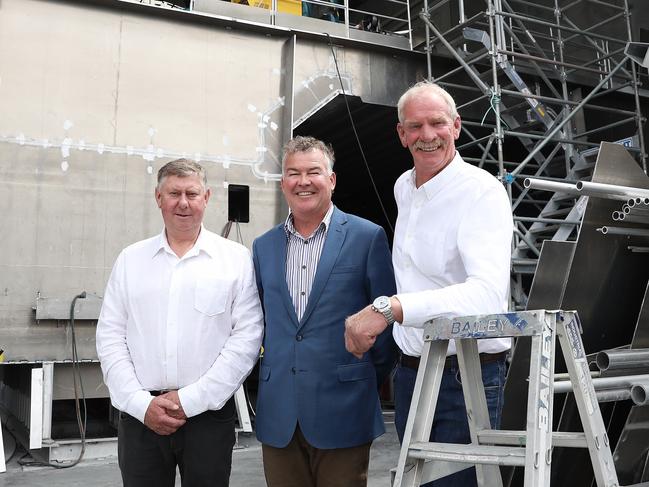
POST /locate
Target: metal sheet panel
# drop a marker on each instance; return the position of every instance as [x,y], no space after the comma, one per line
[606,284]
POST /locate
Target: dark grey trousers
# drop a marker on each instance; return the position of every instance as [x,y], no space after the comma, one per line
[201,448]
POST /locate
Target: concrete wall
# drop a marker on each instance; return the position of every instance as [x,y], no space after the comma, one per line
[96,97]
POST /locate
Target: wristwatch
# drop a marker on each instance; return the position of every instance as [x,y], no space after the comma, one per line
[382,305]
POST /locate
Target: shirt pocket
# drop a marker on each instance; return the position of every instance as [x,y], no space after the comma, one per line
[430,253]
[211,295]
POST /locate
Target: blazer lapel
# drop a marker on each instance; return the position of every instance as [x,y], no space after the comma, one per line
[279,246]
[333,243]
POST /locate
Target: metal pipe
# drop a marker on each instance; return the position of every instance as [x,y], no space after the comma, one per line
[611,191]
[576,67]
[529,243]
[461,67]
[552,221]
[613,395]
[638,250]
[428,53]
[522,47]
[540,170]
[631,218]
[635,232]
[471,102]
[555,186]
[550,24]
[638,108]
[600,383]
[476,79]
[569,141]
[560,125]
[486,153]
[473,142]
[595,26]
[622,359]
[639,211]
[640,394]
[606,127]
[601,58]
[495,90]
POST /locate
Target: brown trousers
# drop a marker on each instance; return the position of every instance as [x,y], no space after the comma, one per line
[302,465]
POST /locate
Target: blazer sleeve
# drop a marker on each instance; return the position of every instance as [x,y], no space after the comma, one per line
[380,282]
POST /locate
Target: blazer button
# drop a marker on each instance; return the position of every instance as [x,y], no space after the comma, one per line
[299,338]
[293,370]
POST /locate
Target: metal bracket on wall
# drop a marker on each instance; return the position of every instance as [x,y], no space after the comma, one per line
[87,308]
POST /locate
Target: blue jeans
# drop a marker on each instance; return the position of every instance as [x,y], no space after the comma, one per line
[450,424]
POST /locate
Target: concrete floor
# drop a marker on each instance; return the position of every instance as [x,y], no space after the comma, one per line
[246,470]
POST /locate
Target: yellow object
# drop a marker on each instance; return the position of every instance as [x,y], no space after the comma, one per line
[2,355]
[293,7]
[256,3]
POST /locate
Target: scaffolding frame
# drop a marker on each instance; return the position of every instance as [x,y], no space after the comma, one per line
[528,63]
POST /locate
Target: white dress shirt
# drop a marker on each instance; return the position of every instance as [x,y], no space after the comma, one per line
[451,252]
[193,323]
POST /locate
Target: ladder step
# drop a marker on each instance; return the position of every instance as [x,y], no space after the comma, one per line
[519,438]
[476,454]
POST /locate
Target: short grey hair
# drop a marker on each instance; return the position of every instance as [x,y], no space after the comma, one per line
[182,168]
[423,87]
[307,144]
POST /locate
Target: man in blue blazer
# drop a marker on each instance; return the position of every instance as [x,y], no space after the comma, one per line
[318,408]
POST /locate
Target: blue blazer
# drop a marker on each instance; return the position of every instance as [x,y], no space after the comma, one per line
[306,375]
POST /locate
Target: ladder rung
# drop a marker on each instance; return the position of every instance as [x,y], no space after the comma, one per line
[480,454]
[519,438]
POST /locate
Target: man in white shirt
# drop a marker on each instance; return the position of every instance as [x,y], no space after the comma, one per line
[451,257]
[179,330]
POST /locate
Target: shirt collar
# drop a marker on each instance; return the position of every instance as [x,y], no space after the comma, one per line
[289,228]
[435,184]
[201,244]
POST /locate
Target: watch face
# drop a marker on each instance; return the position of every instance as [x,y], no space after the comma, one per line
[382,302]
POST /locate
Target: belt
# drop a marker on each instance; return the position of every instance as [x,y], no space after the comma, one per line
[157,393]
[485,358]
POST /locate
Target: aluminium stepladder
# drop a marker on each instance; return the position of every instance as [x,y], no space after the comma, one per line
[531,449]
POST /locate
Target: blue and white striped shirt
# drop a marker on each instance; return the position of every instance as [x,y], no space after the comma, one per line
[302,257]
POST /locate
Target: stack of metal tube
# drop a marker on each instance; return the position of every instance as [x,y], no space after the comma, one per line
[628,376]
[635,207]
[634,210]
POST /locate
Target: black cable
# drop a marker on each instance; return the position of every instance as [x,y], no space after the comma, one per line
[358,140]
[78,386]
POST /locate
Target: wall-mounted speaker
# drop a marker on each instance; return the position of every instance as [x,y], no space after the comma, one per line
[238,203]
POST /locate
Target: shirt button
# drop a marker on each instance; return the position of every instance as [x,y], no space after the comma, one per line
[303,267]
[306,242]
[299,338]
[302,293]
